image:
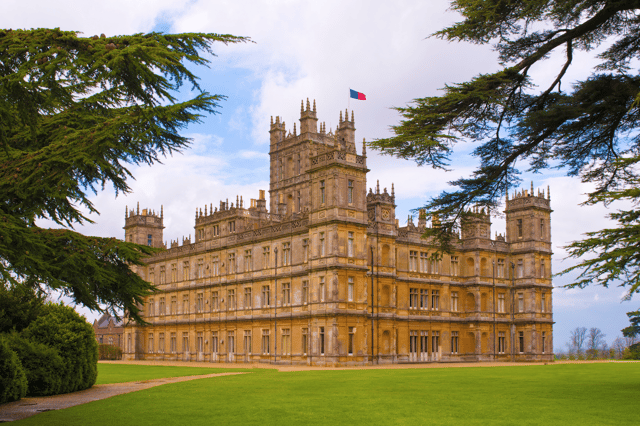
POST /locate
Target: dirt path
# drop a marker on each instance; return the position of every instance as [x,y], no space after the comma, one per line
[27,407]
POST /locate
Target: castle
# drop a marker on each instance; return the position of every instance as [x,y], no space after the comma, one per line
[326,276]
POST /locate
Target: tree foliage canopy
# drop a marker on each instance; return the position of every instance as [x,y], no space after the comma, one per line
[75,113]
[589,130]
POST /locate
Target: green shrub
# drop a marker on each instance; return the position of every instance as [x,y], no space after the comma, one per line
[13,382]
[632,352]
[64,330]
[109,352]
[42,364]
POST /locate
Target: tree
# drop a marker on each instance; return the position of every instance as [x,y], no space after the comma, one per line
[589,130]
[595,342]
[75,112]
[578,339]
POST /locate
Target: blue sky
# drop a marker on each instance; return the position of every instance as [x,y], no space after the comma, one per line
[318,50]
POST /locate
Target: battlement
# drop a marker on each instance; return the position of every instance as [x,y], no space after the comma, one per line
[528,198]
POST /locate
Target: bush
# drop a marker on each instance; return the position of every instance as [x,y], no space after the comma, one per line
[64,330]
[42,364]
[109,352]
[13,381]
[632,352]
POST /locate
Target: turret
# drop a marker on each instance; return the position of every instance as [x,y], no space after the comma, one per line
[144,227]
[308,119]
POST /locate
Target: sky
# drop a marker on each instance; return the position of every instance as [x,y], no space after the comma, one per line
[319,50]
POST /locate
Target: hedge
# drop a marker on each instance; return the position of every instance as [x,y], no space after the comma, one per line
[13,381]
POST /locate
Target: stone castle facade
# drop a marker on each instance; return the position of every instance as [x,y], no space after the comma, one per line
[326,276]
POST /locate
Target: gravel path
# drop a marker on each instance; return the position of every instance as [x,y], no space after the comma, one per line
[27,407]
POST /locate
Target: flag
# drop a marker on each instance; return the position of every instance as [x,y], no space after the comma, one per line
[357,95]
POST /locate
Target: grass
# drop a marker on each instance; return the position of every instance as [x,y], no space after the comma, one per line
[120,373]
[584,394]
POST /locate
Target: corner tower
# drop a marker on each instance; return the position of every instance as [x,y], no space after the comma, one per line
[144,228]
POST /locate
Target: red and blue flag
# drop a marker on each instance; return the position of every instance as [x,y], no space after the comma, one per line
[357,95]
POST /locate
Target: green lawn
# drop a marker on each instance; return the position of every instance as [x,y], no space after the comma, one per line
[580,394]
[120,373]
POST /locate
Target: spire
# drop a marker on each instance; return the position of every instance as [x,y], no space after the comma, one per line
[237,201]
[378,186]
[393,192]
[548,193]
[364,148]
[196,212]
[205,210]
[138,209]
[308,108]
[126,212]
[340,117]
[314,105]
[294,128]
[241,202]
[352,120]
[532,188]
[301,106]
[272,120]
[346,115]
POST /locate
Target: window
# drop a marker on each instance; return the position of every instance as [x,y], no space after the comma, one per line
[424,262]
[352,332]
[149,240]
[247,342]
[248,267]
[413,298]
[543,302]
[321,340]
[199,343]
[186,271]
[161,306]
[321,192]
[501,303]
[500,269]
[173,344]
[265,342]
[215,230]
[350,289]
[231,344]
[174,272]
[541,228]
[163,277]
[199,302]
[231,300]
[299,165]
[286,294]
[501,342]
[413,345]
[232,263]
[454,342]
[174,305]
[413,261]
[520,302]
[305,292]
[200,269]
[435,299]
[266,255]
[305,341]
[215,301]
[150,348]
[321,289]
[544,341]
[424,298]
[520,268]
[350,191]
[281,170]
[215,266]
[185,304]
[350,245]
[247,297]
[454,266]
[286,341]
[161,343]
[299,202]
[519,225]
[286,254]
[185,342]
[265,296]
[521,341]
[454,301]
[424,342]
[232,226]
[435,266]
[214,343]
[321,244]
[435,341]
[151,308]
[151,276]
[305,250]
[543,271]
